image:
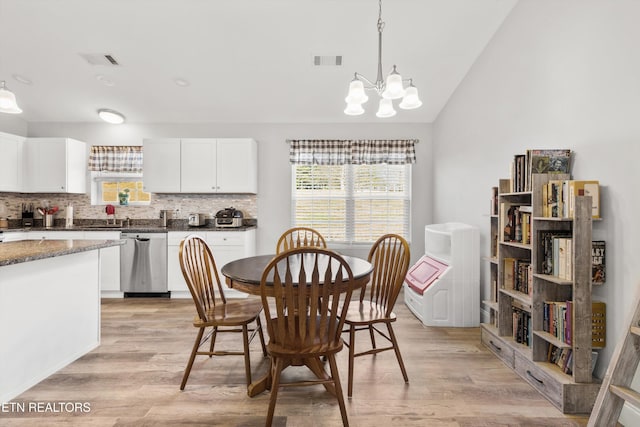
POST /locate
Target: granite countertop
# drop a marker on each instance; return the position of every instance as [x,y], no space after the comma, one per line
[31,250]
[138,226]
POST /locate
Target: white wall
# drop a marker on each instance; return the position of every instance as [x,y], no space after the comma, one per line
[558,74]
[274,172]
[11,123]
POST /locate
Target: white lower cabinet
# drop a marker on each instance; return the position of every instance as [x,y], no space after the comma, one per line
[109,263]
[226,246]
[175,282]
[109,257]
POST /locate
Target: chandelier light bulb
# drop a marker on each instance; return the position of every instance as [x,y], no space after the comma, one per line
[354,110]
[411,99]
[8,102]
[394,88]
[356,93]
[385,109]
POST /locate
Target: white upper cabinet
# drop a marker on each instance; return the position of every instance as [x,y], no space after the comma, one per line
[198,165]
[55,165]
[11,147]
[201,165]
[161,166]
[237,167]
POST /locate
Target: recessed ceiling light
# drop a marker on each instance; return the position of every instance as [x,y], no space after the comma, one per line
[181,82]
[111,116]
[22,79]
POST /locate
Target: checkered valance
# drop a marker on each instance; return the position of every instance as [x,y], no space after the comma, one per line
[355,152]
[116,158]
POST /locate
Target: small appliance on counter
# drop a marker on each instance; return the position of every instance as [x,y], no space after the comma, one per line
[197,220]
[229,217]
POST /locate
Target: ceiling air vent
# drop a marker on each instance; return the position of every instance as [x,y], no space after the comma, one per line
[330,60]
[100,59]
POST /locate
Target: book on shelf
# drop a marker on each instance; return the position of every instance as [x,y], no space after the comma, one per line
[598,262]
[568,272]
[550,160]
[598,324]
[494,201]
[548,261]
[555,319]
[563,358]
[521,326]
[517,275]
[517,227]
[584,188]
[518,173]
[547,161]
[558,197]
[508,279]
[568,333]
[564,263]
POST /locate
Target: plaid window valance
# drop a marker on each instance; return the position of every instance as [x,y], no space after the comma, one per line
[116,158]
[355,152]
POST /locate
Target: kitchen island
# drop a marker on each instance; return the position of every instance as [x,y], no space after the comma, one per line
[49,308]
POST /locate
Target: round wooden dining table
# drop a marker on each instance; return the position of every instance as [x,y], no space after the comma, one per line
[245,275]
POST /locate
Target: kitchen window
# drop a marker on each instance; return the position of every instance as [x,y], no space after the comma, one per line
[113,188]
[351,202]
[116,175]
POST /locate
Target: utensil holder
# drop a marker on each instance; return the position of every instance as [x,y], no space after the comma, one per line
[48,221]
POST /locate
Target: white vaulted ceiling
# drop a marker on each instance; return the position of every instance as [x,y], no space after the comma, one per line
[244,60]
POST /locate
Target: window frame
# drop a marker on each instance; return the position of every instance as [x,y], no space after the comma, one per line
[350,198]
[99,177]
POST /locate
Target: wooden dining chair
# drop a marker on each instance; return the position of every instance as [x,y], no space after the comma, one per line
[299,237]
[213,309]
[301,291]
[390,257]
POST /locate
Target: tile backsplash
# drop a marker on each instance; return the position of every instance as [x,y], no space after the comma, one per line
[180,205]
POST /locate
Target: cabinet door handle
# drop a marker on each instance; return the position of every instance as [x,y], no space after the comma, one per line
[495,346]
[534,377]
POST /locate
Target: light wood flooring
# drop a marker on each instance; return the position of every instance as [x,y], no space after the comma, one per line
[133,378]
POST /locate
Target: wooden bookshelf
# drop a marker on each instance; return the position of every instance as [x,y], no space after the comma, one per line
[573,392]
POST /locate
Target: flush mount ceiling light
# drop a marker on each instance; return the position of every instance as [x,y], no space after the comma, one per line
[111,116]
[8,102]
[392,89]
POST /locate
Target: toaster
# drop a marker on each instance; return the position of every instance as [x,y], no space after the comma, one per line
[197,220]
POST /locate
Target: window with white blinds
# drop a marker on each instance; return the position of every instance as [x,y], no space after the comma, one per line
[352,203]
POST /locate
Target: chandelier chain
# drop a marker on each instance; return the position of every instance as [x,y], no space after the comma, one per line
[380,21]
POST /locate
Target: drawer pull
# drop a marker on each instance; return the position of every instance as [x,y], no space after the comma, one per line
[533,376]
[495,346]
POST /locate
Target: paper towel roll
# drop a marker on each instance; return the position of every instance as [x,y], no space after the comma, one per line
[69,217]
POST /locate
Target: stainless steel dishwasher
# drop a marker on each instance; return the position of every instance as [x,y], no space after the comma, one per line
[143,264]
